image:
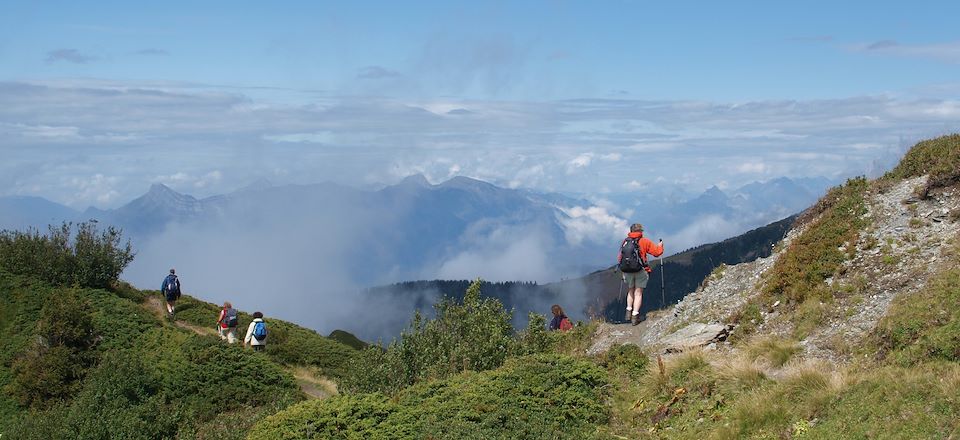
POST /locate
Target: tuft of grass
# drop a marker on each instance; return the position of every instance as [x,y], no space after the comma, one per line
[808,317]
[747,319]
[776,351]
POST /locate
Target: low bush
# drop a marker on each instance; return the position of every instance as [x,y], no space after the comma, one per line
[529,397]
[475,335]
[626,358]
[938,157]
[50,370]
[815,255]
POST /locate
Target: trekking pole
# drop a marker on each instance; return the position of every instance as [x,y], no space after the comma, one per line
[621,288]
[663,295]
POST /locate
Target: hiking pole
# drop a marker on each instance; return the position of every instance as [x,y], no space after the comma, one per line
[621,288]
[663,296]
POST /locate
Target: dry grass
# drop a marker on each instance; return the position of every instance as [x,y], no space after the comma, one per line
[774,350]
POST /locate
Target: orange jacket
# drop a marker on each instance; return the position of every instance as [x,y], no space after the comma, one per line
[646,247]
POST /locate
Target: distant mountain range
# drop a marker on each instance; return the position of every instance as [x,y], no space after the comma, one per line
[296,244]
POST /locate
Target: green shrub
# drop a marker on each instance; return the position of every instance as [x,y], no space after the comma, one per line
[814,256]
[348,339]
[529,397]
[628,358]
[475,335]
[86,257]
[50,370]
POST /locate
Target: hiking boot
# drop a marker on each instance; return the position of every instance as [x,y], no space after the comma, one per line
[635,319]
[628,316]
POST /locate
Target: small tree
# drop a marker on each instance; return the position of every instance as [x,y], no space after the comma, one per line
[89,258]
[475,335]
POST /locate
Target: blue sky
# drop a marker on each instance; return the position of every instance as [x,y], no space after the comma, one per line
[98,100]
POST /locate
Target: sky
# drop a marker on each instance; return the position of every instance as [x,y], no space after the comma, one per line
[100,100]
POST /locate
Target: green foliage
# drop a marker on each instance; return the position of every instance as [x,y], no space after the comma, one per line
[348,339]
[50,370]
[85,257]
[143,379]
[475,335]
[529,397]
[627,358]
[815,255]
[938,157]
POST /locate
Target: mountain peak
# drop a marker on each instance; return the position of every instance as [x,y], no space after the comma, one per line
[415,180]
[158,189]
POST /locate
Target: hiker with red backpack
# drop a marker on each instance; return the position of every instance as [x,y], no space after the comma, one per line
[560,320]
[256,333]
[227,323]
[171,291]
[632,262]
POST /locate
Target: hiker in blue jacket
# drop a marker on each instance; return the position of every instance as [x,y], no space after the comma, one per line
[171,291]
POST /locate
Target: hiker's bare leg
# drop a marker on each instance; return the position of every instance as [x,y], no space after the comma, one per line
[637,300]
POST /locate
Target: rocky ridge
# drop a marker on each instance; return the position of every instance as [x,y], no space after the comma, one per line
[902,247]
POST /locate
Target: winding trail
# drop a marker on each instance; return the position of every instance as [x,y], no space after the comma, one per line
[314,386]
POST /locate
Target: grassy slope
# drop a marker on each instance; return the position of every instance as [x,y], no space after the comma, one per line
[152,369]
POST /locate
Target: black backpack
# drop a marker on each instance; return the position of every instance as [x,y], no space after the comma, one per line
[173,285]
[230,318]
[630,260]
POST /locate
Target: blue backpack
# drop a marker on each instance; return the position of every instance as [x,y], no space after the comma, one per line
[260,331]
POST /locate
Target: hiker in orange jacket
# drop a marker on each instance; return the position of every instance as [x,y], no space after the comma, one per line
[632,262]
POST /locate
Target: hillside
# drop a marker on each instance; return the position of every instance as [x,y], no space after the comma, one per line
[849,329]
[91,363]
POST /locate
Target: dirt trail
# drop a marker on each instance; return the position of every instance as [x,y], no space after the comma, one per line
[158,308]
[311,384]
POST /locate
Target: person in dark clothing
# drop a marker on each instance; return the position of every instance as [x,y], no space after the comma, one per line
[560,320]
[171,291]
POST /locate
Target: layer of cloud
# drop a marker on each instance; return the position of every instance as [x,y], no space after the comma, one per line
[70,56]
[152,51]
[948,52]
[377,72]
[578,146]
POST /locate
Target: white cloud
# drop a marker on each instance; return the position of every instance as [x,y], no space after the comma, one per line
[96,189]
[752,167]
[592,223]
[322,137]
[580,162]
